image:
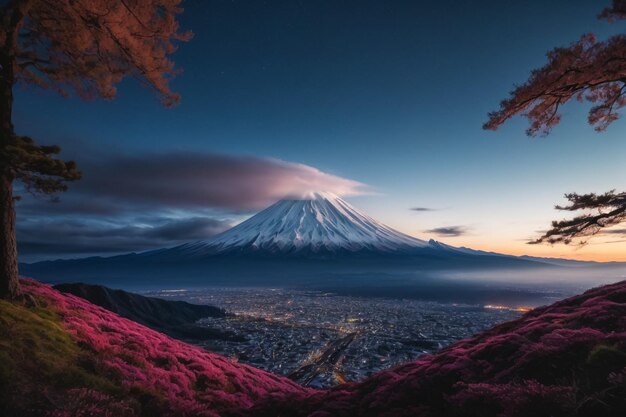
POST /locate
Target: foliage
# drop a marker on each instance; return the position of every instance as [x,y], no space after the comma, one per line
[609,209]
[85,46]
[36,166]
[91,45]
[587,70]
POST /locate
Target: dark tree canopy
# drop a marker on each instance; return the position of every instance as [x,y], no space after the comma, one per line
[587,70]
[36,166]
[85,46]
[82,46]
[606,210]
[90,45]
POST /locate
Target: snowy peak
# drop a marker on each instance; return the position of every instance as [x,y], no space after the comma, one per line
[319,223]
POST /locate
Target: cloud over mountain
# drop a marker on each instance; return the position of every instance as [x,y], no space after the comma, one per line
[141,202]
[193,180]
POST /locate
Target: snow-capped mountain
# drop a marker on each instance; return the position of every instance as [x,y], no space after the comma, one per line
[309,241]
[320,224]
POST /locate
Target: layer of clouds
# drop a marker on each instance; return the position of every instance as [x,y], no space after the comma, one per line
[196,180]
[448,231]
[422,209]
[621,232]
[134,203]
[58,237]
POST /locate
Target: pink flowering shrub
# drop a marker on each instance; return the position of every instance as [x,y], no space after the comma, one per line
[147,372]
[527,398]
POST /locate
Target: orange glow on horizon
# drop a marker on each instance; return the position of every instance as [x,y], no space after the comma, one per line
[598,249]
[594,251]
[499,307]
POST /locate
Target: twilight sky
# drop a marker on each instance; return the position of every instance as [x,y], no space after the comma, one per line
[380,101]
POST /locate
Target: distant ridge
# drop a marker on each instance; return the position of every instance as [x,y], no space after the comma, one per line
[175,318]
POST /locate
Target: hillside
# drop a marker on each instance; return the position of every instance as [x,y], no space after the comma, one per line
[174,318]
[567,359]
[62,356]
[321,224]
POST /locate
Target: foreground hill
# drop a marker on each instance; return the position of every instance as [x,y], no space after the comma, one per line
[567,359]
[174,318]
[62,356]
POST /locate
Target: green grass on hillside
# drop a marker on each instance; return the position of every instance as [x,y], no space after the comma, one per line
[40,363]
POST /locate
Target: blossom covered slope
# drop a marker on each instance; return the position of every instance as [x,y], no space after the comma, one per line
[62,356]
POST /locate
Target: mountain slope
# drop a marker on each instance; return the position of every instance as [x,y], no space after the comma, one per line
[174,318]
[62,356]
[323,223]
[567,359]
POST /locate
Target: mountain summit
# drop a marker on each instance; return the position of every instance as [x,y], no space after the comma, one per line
[322,223]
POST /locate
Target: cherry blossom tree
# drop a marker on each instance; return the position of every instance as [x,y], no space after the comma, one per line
[72,47]
[587,70]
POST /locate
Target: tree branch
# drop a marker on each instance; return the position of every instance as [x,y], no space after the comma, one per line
[610,210]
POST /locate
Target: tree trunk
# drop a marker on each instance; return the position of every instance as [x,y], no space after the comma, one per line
[9,283]
[12,19]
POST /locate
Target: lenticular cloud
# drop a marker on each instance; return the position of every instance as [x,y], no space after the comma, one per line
[185,180]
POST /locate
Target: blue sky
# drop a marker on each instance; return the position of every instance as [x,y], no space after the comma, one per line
[391,94]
